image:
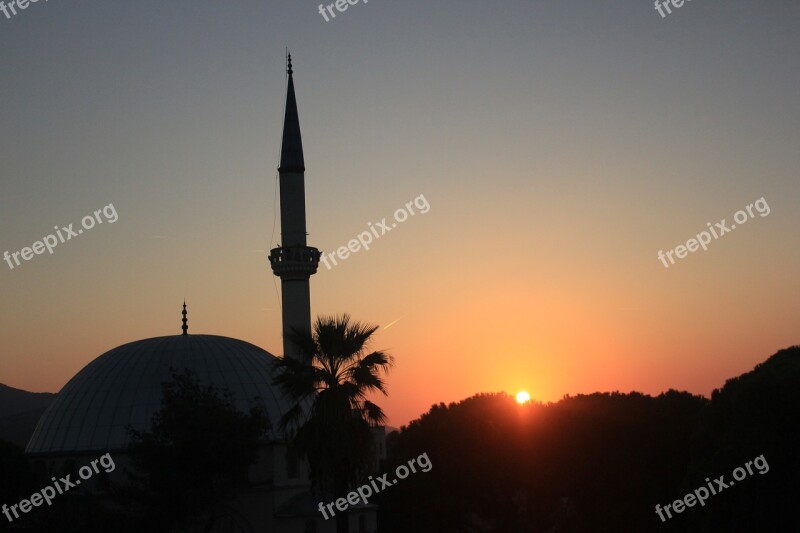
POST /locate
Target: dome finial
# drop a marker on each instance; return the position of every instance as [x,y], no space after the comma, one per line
[185,326]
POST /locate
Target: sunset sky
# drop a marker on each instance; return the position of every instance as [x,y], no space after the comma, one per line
[560,146]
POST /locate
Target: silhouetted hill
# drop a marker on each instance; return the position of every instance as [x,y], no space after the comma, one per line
[753,415]
[601,462]
[19,428]
[15,401]
[19,413]
[594,463]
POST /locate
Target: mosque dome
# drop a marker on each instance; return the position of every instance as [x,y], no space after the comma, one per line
[123,388]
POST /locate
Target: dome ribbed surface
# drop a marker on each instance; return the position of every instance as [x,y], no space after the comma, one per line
[123,387]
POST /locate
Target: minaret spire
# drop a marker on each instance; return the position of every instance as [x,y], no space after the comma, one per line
[294,262]
[185,326]
[292,144]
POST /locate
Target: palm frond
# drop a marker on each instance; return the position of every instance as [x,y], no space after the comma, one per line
[294,418]
[305,342]
[374,414]
[331,416]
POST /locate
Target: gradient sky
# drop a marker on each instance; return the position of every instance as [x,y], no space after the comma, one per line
[560,146]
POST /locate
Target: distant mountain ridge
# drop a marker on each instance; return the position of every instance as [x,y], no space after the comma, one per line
[16,401]
[20,411]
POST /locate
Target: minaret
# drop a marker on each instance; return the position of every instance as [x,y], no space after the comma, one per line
[293,262]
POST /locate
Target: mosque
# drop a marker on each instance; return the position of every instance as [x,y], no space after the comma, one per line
[122,388]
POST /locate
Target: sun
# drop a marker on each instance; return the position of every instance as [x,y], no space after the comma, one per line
[523,397]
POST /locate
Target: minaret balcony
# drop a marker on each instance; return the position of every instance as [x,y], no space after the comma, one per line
[294,261]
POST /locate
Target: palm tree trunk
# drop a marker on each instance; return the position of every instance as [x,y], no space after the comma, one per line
[342,521]
[342,518]
[212,519]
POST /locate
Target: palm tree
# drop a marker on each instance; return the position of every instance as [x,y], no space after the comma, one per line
[330,420]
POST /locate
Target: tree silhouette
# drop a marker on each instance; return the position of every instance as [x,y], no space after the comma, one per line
[330,419]
[754,414]
[587,463]
[16,481]
[197,453]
